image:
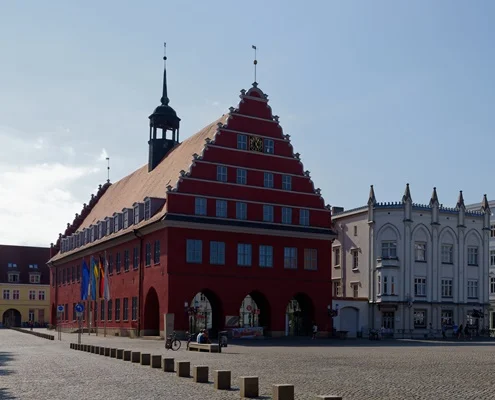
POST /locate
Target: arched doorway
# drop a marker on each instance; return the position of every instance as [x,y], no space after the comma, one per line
[349,320]
[11,317]
[254,312]
[151,314]
[205,312]
[299,316]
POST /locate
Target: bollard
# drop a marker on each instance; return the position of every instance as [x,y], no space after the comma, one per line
[200,373]
[249,386]
[78,347]
[97,350]
[221,379]
[102,351]
[107,351]
[328,397]
[145,358]
[135,356]
[93,349]
[156,361]
[113,353]
[88,348]
[127,355]
[120,354]
[85,347]
[183,369]
[283,392]
[72,345]
[168,365]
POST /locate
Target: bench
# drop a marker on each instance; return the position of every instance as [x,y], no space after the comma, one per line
[210,348]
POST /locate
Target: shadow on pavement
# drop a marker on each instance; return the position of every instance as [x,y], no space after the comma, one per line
[5,395]
[5,358]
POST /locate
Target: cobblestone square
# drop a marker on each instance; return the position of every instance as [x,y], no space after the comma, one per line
[35,368]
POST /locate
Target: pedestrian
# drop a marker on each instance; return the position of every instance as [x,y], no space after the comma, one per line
[467,333]
[444,330]
[315,330]
[460,332]
[455,328]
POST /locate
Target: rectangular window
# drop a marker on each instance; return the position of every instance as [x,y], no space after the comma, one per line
[336,256]
[102,308]
[41,295]
[32,295]
[147,209]
[446,317]
[137,215]
[420,287]
[492,285]
[31,315]
[109,227]
[420,251]
[110,264]
[15,294]
[355,230]
[116,223]
[221,173]
[109,310]
[35,278]
[492,233]
[267,213]
[14,277]
[125,315]
[492,258]
[286,182]
[355,258]
[304,217]
[241,176]
[148,254]
[135,258]
[221,208]
[242,142]
[268,180]
[385,284]
[446,287]
[389,249]
[6,294]
[269,147]
[473,255]
[194,251]
[126,219]
[290,258]
[392,285]
[472,289]
[355,290]
[117,309]
[217,253]
[200,206]
[12,265]
[241,210]
[156,256]
[117,263]
[447,253]
[286,215]
[379,285]
[266,256]
[337,288]
[126,260]
[244,255]
[420,318]
[134,308]
[311,259]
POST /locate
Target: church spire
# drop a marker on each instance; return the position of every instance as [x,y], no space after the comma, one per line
[164,100]
[460,200]
[407,194]
[434,197]
[372,198]
[485,207]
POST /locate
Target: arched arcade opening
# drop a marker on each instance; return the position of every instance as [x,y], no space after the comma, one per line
[299,316]
[151,323]
[11,317]
[205,312]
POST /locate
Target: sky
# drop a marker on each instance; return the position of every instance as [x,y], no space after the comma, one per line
[371,92]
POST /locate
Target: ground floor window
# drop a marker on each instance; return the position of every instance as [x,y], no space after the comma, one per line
[31,315]
[420,318]
[447,317]
[388,320]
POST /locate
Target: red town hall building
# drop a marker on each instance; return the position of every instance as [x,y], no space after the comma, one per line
[223,230]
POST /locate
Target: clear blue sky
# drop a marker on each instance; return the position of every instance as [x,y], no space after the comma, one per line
[376,92]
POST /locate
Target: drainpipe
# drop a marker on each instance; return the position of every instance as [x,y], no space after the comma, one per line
[140,272]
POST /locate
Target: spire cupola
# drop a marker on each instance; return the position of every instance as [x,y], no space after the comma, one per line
[164,118]
[434,198]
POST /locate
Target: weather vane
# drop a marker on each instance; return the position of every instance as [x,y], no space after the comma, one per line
[108,169]
[255,61]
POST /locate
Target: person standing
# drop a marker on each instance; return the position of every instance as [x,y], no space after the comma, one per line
[315,330]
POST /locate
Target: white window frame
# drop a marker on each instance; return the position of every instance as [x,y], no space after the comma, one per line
[221,173]
[446,317]
[492,285]
[379,284]
[137,217]
[268,213]
[266,256]
[311,259]
[290,257]
[447,287]
[420,286]
[337,288]
[194,251]
[355,258]
[337,256]
[11,276]
[41,295]
[16,294]
[147,209]
[6,294]
[32,295]
[472,292]
[268,179]
[492,258]
[417,318]
[286,182]
[286,215]
[241,176]
[244,254]
[242,142]
[221,208]
[269,146]
[420,251]
[304,217]
[392,286]
[241,210]
[447,253]
[34,278]
[473,255]
[492,230]
[200,205]
[389,249]
[385,285]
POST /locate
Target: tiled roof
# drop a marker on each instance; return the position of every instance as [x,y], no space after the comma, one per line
[141,184]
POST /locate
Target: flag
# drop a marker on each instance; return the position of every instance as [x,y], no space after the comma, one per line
[102,276]
[253,46]
[84,280]
[94,277]
[106,289]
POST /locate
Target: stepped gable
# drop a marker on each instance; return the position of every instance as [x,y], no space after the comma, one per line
[141,184]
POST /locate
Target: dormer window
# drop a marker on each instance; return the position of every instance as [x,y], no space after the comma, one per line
[87,235]
[34,278]
[101,230]
[13,277]
[147,209]
[117,222]
[76,238]
[33,266]
[12,265]
[136,214]
[93,231]
[127,217]
[109,226]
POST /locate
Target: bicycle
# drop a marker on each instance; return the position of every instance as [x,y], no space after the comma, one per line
[190,338]
[172,342]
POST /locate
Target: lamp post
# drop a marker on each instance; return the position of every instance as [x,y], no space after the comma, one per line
[332,313]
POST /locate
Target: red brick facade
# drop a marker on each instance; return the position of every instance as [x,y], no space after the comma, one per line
[171,280]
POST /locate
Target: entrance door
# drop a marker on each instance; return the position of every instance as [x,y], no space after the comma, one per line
[388,318]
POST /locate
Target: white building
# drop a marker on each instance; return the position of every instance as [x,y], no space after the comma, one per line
[414,264]
[491,281]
